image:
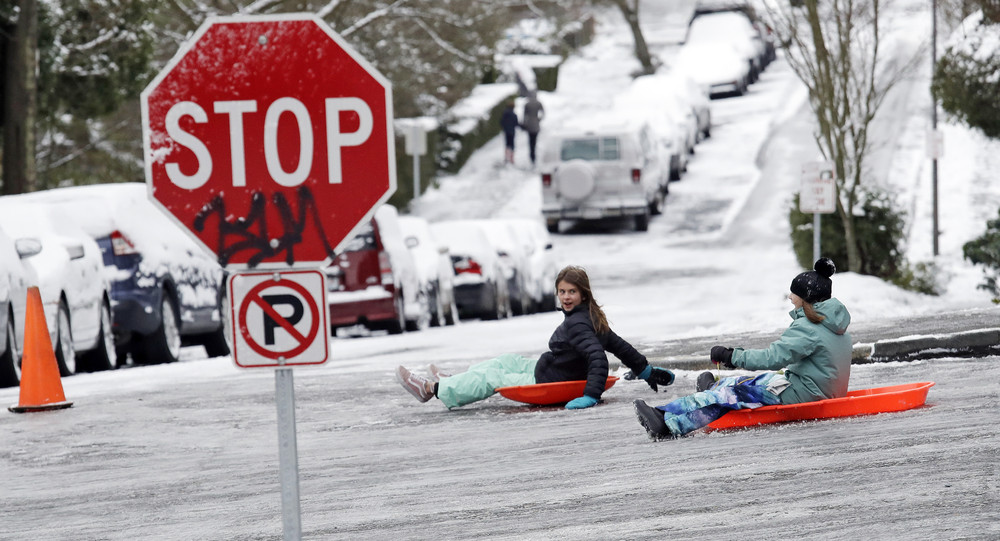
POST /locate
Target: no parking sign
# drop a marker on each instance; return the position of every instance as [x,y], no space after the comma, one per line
[280,318]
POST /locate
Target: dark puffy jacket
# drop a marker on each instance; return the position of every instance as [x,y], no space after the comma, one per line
[508,120]
[576,352]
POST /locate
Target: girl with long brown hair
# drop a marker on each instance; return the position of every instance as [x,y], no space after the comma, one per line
[576,352]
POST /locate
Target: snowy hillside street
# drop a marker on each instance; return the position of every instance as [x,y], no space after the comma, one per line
[189,450]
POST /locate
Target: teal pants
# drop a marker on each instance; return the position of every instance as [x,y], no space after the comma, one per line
[481,380]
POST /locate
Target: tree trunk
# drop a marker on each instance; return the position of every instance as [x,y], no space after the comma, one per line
[851,242]
[630,10]
[20,104]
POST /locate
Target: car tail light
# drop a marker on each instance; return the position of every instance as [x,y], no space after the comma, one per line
[467,265]
[121,245]
[636,176]
[547,180]
[385,268]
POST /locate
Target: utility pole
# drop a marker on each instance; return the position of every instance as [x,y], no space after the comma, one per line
[934,134]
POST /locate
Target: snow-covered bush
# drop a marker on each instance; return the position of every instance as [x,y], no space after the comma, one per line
[985,250]
[967,76]
[879,228]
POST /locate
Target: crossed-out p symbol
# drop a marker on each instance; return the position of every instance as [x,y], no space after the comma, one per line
[270,324]
[279,318]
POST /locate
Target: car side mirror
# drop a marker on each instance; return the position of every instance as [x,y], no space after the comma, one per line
[548,246]
[27,247]
[412,242]
[75,251]
[442,249]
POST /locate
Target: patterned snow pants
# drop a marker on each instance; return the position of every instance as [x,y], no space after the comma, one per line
[730,393]
[479,382]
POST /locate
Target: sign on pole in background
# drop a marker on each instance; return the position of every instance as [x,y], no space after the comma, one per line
[281,318]
[818,189]
[269,139]
[935,144]
[817,196]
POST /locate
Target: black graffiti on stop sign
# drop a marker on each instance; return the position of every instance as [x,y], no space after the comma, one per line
[236,236]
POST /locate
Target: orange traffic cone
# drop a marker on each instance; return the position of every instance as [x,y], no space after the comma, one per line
[41,388]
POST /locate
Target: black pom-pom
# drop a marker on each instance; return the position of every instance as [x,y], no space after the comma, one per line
[825,267]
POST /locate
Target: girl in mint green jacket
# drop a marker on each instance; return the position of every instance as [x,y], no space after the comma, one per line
[814,351]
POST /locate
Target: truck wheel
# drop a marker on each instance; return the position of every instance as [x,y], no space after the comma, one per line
[642,221]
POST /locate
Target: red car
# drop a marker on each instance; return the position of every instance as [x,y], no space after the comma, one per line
[373,281]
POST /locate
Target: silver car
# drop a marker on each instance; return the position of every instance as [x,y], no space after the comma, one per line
[13,300]
[67,267]
[609,170]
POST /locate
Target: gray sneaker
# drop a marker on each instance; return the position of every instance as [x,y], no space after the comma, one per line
[437,373]
[421,388]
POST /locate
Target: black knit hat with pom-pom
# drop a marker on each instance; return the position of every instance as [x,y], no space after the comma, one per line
[815,286]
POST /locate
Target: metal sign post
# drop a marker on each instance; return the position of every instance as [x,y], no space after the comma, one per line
[288,454]
[817,195]
[280,322]
[416,145]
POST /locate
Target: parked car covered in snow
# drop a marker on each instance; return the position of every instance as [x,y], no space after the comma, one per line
[604,168]
[433,263]
[480,284]
[719,67]
[542,266]
[514,260]
[165,290]
[733,28]
[373,281]
[673,123]
[686,90]
[13,301]
[66,266]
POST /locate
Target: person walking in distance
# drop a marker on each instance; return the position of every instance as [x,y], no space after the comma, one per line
[509,123]
[533,114]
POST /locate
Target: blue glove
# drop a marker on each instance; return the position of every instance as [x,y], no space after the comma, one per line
[653,376]
[580,403]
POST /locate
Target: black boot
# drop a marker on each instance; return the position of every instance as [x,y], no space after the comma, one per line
[705,381]
[652,420]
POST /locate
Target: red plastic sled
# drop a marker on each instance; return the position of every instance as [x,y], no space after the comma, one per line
[544,394]
[860,402]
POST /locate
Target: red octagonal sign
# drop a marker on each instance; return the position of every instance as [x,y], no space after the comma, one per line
[269,139]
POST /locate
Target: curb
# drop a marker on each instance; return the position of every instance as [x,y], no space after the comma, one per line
[975,343]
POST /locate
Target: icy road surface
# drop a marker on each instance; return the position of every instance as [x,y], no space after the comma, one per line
[189,451]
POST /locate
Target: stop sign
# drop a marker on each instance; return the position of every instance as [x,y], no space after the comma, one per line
[268,139]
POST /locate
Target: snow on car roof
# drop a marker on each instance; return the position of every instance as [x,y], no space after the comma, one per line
[101,209]
[601,123]
[28,219]
[464,238]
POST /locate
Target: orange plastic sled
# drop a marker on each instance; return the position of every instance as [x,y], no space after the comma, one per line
[544,394]
[860,402]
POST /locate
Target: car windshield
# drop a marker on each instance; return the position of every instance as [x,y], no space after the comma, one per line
[364,240]
[590,149]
